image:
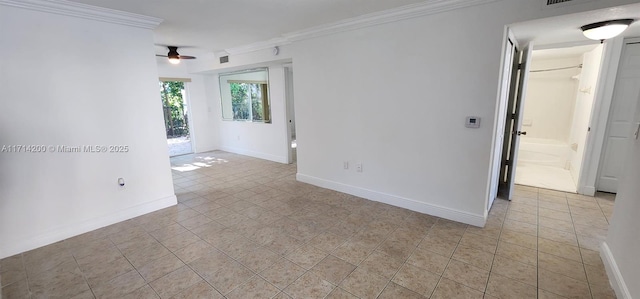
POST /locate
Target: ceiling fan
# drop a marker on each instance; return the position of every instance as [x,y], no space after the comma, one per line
[174,56]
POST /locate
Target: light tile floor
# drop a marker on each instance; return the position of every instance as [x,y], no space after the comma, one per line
[244,228]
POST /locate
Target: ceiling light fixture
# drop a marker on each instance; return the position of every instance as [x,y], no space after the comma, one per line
[174,56]
[606,29]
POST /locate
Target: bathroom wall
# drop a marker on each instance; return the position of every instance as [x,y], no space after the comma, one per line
[550,99]
[583,108]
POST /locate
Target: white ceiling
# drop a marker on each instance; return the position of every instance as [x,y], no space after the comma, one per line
[207,26]
[212,25]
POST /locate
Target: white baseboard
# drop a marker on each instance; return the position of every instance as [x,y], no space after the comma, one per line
[410,204]
[587,190]
[250,153]
[64,232]
[613,272]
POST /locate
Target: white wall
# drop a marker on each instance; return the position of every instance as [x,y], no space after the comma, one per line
[262,140]
[583,108]
[399,109]
[204,125]
[394,97]
[550,99]
[72,81]
[620,251]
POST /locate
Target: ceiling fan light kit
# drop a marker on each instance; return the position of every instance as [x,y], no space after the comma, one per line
[174,56]
[606,29]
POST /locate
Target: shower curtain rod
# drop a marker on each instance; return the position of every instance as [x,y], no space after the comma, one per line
[579,66]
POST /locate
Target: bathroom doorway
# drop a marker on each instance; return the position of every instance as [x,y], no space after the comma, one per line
[557,112]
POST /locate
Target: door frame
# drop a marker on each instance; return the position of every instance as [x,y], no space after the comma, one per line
[513,117]
[594,149]
[187,101]
[506,99]
[289,110]
[604,90]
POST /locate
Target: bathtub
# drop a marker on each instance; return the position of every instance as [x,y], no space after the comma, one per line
[547,152]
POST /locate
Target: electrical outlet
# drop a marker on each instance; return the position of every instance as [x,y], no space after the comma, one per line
[345,164]
[359,167]
[121,185]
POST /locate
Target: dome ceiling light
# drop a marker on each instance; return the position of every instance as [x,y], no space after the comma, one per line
[606,29]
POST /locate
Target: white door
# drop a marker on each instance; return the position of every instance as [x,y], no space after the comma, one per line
[513,124]
[510,51]
[620,123]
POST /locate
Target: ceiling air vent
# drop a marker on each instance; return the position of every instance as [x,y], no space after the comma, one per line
[559,3]
[224,59]
[552,2]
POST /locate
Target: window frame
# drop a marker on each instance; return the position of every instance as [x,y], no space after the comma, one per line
[226,79]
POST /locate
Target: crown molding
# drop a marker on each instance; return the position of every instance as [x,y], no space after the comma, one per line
[90,12]
[429,7]
[388,16]
[268,44]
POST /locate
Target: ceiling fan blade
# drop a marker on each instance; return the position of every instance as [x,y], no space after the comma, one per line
[173,53]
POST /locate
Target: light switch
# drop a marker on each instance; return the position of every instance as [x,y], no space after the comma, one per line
[472,122]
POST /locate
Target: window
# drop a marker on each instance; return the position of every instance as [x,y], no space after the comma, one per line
[245,96]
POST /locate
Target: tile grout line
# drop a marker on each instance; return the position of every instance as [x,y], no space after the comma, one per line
[486,287]
[538,245]
[575,232]
[331,254]
[26,274]
[582,257]
[578,246]
[405,261]
[134,267]
[84,277]
[448,262]
[538,251]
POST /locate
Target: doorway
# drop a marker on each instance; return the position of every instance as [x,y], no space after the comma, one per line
[583,145]
[176,117]
[557,112]
[291,116]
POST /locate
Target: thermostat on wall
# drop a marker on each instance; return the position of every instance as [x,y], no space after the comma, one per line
[472,122]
